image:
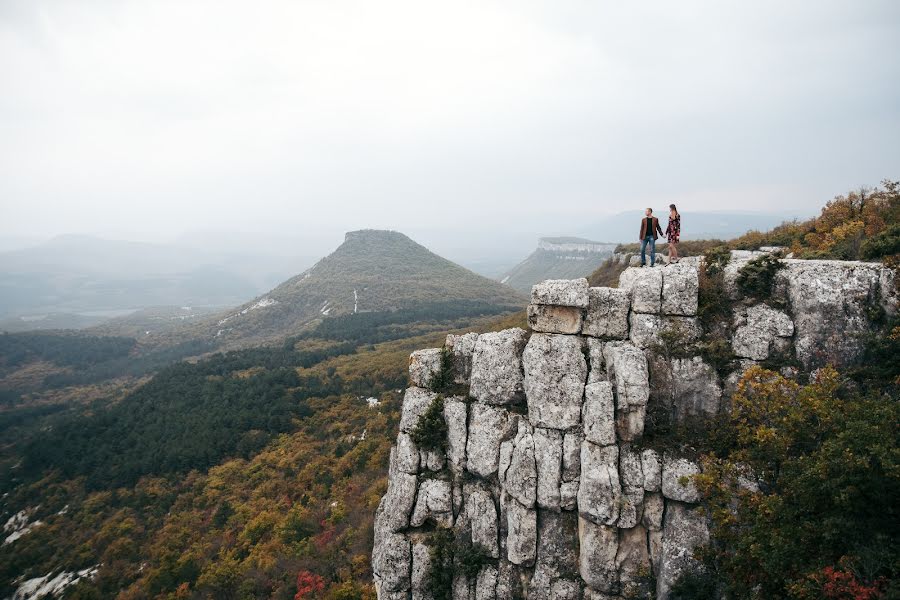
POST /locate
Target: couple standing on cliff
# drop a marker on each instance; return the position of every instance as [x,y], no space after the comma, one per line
[649,229]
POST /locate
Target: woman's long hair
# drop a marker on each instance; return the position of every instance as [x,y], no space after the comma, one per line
[672,207]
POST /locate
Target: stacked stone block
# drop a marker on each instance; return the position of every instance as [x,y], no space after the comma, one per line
[543,470]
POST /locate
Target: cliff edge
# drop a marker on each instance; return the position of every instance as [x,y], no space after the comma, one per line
[520,468]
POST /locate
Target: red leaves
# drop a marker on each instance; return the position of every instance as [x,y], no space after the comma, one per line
[308,585]
[844,585]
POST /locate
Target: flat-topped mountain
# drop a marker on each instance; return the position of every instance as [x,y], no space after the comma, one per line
[373,270]
[558,258]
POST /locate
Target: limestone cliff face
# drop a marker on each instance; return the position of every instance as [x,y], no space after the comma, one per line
[543,474]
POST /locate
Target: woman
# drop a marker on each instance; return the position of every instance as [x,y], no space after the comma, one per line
[673,233]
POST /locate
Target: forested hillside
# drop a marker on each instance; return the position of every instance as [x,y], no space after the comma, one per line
[232,476]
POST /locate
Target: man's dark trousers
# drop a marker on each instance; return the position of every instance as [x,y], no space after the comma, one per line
[652,241]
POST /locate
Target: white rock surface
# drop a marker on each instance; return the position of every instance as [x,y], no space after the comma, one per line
[684,529]
[645,287]
[423,366]
[599,413]
[598,546]
[596,366]
[455,415]
[561,292]
[654,505]
[632,480]
[482,516]
[600,493]
[607,313]
[678,479]
[548,449]
[521,537]
[555,372]
[487,428]
[461,348]
[829,300]
[520,479]
[759,331]
[415,402]
[646,329]
[555,319]
[433,503]
[680,290]
[651,467]
[497,367]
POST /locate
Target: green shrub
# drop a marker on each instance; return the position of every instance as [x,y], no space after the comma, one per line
[885,243]
[756,279]
[430,432]
[715,259]
[449,556]
[719,355]
[694,585]
[443,379]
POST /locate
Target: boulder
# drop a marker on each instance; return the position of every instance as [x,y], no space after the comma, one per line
[596,368]
[680,290]
[598,546]
[555,319]
[455,414]
[520,479]
[831,301]
[488,427]
[760,330]
[646,330]
[678,479]
[415,402]
[632,479]
[599,413]
[645,288]
[684,529]
[424,365]
[607,313]
[561,292]
[651,467]
[434,503]
[555,372]
[461,349]
[521,532]
[497,367]
[600,493]
[548,449]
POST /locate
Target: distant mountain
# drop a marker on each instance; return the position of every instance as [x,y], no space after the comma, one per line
[373,270]
[82,279]
[558,258]
[625,227]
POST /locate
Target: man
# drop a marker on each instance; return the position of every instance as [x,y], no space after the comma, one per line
[649,229]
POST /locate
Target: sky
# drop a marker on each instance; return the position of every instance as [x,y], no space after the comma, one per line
[308,118]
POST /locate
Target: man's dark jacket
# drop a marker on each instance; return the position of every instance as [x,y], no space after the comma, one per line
[655,228]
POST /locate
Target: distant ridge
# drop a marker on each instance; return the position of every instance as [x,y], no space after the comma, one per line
[564,257]
[373,270]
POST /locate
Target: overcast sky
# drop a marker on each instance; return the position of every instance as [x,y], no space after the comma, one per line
[146,119]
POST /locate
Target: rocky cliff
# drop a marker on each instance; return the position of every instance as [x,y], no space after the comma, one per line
[528,463]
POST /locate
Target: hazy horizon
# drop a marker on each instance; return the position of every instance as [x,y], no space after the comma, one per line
[144,121]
